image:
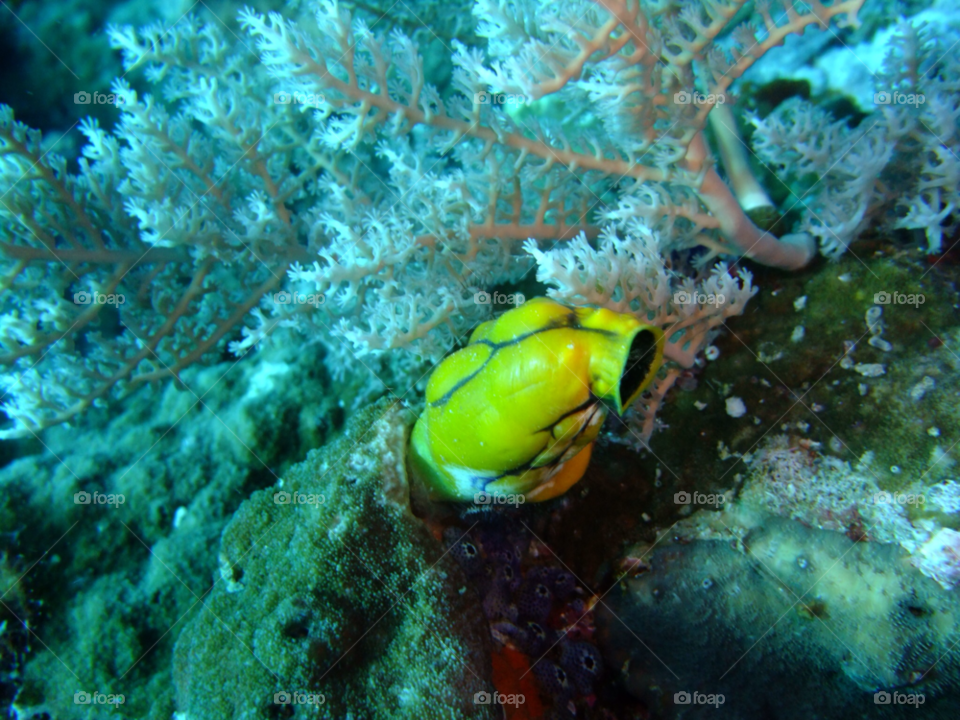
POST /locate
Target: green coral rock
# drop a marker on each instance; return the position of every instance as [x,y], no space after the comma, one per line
[332,592]
[803,620]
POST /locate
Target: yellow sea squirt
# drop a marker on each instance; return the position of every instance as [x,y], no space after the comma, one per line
[516,411]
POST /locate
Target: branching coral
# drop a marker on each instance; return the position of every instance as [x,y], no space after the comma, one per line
[899,166]
[329,165]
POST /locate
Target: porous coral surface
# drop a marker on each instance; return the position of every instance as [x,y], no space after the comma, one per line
[345,599]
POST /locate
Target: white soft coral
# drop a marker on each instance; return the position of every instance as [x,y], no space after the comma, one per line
[629,275]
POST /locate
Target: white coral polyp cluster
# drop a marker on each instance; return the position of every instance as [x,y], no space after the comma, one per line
[898,167]
[939,558]
[630,275]
[329,164]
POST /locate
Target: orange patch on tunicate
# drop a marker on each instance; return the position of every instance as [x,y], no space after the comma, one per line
[511,676]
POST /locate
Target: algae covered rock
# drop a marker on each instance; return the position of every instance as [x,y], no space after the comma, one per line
[107,586]
[334,600]
[786,622]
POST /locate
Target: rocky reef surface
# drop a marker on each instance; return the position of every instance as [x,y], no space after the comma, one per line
[817,580]
[777,619]
[801,556]
[334,600]
[110,530]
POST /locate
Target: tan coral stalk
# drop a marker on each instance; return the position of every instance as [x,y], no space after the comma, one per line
[750,194]
[791,252]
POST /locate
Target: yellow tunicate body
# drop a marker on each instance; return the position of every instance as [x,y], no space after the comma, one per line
[516,411]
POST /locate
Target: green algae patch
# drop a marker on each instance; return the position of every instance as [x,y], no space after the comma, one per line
[789,359]
[333,600]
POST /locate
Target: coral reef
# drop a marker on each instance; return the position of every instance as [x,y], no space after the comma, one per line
[108,586]
[629,276]
[539,615]
[830,572]
[299,207]
[818,452]
[328,185]
[823,492]
[846,63]
[807,390]
[342,596]
[897,168]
